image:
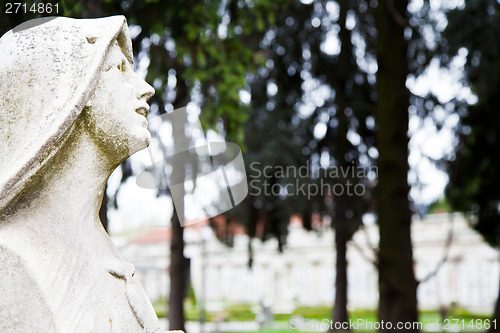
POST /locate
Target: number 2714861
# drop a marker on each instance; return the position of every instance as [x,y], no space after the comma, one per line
[36,8]
[474,324]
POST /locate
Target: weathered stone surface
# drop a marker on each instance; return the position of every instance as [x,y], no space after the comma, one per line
[71,110]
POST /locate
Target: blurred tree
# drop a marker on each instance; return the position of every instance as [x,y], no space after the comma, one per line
[397,284]
[349,115]
[273,136]
[279,123]
[474,30]
[301,54]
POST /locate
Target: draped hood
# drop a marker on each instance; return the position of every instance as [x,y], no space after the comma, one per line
[48,70]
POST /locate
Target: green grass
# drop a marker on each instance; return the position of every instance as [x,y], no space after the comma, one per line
[245,312]
[160,307]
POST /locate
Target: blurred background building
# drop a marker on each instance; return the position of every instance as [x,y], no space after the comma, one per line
[457,267]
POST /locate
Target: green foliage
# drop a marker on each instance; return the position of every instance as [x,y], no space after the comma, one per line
[273,133]
[440,206]
[216,46]
[473,171]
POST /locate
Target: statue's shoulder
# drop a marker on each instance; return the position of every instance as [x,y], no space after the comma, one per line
[22,305]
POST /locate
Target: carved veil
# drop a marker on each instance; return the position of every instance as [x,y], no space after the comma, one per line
[45,83]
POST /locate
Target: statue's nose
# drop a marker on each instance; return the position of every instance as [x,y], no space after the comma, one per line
[150,91]
[120,269]
[143,90]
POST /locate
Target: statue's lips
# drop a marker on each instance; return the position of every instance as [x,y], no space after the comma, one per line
[143,110]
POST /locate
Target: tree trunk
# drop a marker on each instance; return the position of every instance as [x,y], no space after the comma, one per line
[397,284]
[339,311]
[179,266]
[341,147]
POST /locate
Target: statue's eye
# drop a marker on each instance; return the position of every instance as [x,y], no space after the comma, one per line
[122,66]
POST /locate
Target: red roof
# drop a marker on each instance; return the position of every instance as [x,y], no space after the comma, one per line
[158,235]
[153,236]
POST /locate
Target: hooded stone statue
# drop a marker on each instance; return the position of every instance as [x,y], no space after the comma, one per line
[71,110]
[48,70]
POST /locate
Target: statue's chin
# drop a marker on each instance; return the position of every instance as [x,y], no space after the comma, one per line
[140,142]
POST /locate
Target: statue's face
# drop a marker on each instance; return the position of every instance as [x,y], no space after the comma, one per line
[117,110]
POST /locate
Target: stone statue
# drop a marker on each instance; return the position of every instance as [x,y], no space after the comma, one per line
[71,110]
